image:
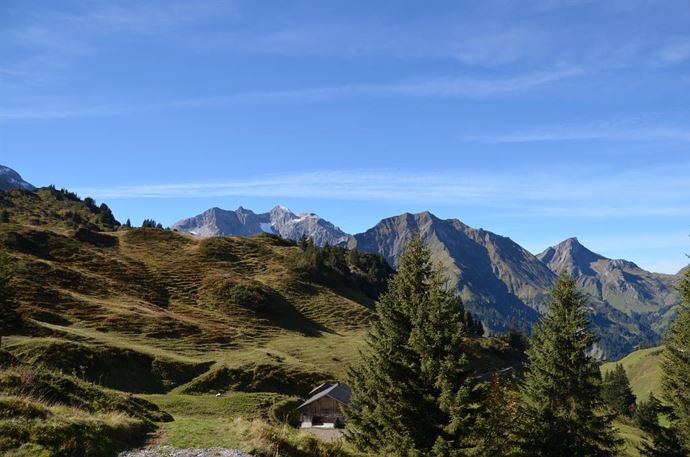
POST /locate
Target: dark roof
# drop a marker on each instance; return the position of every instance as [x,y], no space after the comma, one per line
[339,392]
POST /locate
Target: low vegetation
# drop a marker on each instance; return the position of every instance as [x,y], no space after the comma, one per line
[46,413]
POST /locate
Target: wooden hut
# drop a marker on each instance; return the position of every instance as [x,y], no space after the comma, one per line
[323,407]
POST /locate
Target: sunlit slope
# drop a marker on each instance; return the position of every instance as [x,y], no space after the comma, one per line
[643,368]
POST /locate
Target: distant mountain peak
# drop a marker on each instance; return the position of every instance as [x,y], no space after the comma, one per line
[10,179]
[569,255]
[280,220]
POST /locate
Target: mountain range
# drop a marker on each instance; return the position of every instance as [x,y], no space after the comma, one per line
[279,221]
[499,280]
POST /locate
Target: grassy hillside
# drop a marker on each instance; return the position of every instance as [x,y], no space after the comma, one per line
[643,369]
[176,319]
[45,413]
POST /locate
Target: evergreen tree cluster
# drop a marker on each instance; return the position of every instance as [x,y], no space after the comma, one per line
[150,223]
[414,393]
[62,194]
[369,271]
[663,440]
[105,215]
[617,393]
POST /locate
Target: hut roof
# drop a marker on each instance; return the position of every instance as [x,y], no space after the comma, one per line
[339,392]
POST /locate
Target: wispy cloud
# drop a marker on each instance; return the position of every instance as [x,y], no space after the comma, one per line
[624,131]
[633,193]
[419,88]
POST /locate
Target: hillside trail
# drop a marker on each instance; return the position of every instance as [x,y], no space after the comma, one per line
[167,451]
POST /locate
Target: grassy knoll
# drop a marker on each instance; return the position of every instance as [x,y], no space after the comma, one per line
[643,369]
[45,413]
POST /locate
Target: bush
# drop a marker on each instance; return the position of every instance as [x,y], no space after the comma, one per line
[224,291]
[265,440]
[256,377]
[285,411]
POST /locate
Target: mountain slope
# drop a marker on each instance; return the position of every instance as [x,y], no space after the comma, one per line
[623,285]
[506,286]
[498,280]
[643,368]
[280,220]
[183,312]
[10,179]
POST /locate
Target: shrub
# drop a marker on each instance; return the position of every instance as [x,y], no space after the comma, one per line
[224,291]
[266,440]
[285,411]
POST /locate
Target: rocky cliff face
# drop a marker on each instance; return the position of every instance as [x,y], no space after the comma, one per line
[294,226]
[216,221]
[10,179]
[280,221]
[499,280]
[621,283]
[506,286]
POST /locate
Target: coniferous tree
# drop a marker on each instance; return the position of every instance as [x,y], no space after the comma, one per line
[562,386]
[676,368]
[617,393]
[495,426]
[663,441]
[413,393]
[9,319]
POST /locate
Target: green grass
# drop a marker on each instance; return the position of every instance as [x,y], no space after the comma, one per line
[237,421]
[234,404]
[207,420]
[643,369]
[632,438]
[45,413]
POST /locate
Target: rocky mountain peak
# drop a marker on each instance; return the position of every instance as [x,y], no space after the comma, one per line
[569,256]
[10,179]
[279,220]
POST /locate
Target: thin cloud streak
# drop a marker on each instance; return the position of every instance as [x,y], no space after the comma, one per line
[448,87]
[588,133]
[626,194]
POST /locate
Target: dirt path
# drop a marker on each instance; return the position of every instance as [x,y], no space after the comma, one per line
[325,434]
[167,451]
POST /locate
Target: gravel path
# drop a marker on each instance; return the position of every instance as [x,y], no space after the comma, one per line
[167,451]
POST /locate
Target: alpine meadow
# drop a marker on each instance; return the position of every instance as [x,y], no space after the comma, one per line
[232,228]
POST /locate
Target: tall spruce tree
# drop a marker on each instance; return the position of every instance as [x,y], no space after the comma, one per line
[413,393]
[9,319]
[562,385]
[676,368]
[617,393]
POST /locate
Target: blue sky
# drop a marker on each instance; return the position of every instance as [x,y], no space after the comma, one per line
[538,120]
